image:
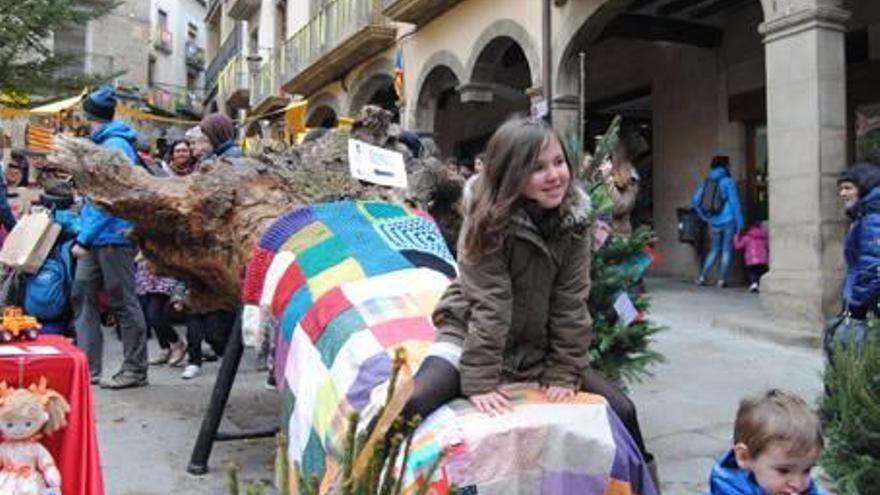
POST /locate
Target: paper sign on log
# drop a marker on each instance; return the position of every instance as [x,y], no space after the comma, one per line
[376,165]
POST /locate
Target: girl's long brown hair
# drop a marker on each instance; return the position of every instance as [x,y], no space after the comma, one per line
[511,156]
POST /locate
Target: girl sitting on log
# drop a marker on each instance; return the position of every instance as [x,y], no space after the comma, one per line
[518,310]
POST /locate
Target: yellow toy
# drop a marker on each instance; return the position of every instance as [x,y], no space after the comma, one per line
[26,466]
[15,325]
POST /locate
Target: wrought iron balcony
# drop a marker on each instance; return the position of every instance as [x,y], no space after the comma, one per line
[161,99]
[232,83]
[417,12]
[266,91]
[195,56]
[343,34]
[242,9]
[188,102]
[163,40]
[230,48]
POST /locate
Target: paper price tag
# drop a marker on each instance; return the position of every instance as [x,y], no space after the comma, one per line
[376,165]
[626,310]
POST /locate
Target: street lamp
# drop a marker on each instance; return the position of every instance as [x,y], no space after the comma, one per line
[253,62]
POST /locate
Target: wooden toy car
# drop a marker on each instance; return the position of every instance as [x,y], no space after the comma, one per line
[15,325]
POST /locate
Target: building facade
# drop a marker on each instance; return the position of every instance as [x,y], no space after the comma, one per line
[176,62]
[786,88]
[115,44]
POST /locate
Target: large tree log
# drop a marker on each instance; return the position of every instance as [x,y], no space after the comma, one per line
[201,229]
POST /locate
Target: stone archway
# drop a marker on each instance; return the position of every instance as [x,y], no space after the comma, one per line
[377,90]
[323,108]
[322,116]
[439,107]
[503,28]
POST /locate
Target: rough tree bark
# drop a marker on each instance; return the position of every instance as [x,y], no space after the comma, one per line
[201,229]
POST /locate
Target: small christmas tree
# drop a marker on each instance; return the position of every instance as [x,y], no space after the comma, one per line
[622,352]
[619,349]
[851,409]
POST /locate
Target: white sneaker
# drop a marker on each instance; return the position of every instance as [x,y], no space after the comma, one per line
[191,371]
[753,287]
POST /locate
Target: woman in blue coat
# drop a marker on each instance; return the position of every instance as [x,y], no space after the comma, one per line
[859,188]
[724,221]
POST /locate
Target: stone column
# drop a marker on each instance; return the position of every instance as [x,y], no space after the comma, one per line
[565,115]
[806,125]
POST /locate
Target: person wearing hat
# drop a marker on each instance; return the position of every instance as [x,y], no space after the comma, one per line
[717,203]
[859,189]
[105,255]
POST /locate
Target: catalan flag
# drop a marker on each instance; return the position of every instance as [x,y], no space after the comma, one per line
[398,75]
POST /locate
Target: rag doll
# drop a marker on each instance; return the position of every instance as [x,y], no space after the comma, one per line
[26,414]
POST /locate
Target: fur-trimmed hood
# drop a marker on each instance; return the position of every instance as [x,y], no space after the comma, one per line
[576,210]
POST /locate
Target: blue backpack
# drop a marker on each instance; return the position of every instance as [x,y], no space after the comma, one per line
[47,292]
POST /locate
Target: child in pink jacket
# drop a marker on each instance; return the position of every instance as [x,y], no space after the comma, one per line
[756,242]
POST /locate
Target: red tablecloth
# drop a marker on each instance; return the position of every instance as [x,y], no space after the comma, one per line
[75,448]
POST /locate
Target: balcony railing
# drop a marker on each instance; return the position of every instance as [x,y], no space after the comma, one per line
[417,12]
[232,84]
[195,56]
[266,87]
[161,98]
[231,48]
[343,34]
[177,101]
[163,40]
[188,102]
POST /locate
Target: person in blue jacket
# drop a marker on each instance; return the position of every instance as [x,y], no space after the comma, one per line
[105,255]
[724,223]
[859,188]
[777,441]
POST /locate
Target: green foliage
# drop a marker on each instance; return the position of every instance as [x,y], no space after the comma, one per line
[851,409]
[28,64]
[621,352]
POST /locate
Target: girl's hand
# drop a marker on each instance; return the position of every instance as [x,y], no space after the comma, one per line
[493,403]
[558,394]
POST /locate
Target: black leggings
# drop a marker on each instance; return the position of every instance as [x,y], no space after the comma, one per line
[438,382]
[214,327]
[155,307]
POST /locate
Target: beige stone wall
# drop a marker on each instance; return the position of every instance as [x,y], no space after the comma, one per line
[123,36]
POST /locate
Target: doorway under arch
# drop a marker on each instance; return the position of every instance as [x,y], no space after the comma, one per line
[322,116]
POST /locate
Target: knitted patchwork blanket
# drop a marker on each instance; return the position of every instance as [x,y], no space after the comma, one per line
[340,286]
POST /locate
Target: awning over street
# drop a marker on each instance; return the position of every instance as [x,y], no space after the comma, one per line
[58,106]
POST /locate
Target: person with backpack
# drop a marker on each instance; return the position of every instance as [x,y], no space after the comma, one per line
[103,253]
[717,203]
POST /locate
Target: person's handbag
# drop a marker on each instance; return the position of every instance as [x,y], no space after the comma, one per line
[29,243]
[690,226]
[843,331]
